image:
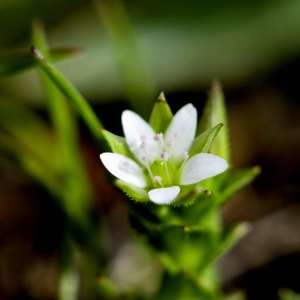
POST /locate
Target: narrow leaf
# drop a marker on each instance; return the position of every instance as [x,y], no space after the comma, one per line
[136,78]
[235,180]
[161,115]
[204,141]
[72,94]
[215,113]
[76,190]
[228,240]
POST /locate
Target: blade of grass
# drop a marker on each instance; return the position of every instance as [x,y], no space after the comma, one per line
[73,95]
[77,190]
[136,78]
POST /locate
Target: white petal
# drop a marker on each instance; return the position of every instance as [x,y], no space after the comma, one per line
[140,137]
[124,168]
[164,195]
[202,166]
[181,132]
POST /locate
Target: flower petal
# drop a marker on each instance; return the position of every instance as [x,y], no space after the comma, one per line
[164,195]
[181,132]
[124,168]
[202,166]
[140,137]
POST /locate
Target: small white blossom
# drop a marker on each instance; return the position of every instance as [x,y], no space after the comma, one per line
[162,161]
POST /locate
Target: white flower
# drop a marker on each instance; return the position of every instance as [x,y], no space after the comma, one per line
[162,162]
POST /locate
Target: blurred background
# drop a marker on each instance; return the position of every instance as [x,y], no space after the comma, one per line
[128,53]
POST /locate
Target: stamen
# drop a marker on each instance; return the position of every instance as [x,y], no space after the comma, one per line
[159,137]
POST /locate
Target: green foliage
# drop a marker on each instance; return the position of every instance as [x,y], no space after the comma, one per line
[76,192]
[72,94]
[136,78]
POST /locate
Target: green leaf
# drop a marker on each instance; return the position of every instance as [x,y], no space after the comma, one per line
[72,94]
[116,143]
[77,192]
[161,115]
[132,192]
[234,180]
[231,236]
[215,113]
[204,141]
[15,61]
[228,239]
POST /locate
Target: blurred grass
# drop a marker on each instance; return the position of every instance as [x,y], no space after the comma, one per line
[234,42]
[138,85]
[77,191]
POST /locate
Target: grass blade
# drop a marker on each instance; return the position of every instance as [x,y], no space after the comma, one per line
[72,94]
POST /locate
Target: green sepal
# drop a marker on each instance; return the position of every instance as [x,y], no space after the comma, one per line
[116,143]
[161,115]
[134,193]
[204,141]
[215,113]
[234,180]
